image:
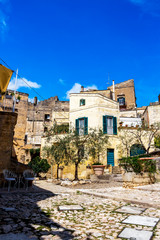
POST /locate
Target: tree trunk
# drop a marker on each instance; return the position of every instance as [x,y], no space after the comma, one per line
[76,171]
[57,171]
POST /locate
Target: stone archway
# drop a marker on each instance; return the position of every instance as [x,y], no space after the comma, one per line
[137,149]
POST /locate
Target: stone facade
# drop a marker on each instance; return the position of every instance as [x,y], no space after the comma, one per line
[151,115]
[44,115]
[32,121]
[125,89]
[8,121]
[20,128]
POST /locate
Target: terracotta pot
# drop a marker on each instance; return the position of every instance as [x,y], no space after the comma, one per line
[98,169]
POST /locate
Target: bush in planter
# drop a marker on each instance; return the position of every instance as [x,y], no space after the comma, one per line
[97,163]
[39,165]
[134,164]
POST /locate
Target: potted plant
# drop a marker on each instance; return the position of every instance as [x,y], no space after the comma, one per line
[18,99]
[96,145]
[98,168]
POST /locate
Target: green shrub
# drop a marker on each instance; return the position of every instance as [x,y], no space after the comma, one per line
[39,165]
[137,165]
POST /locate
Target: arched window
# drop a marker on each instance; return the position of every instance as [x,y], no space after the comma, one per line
[137,149]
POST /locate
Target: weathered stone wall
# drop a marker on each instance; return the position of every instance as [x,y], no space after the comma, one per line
[20,128]
[131,179]
[7,125]
[42,116]
[127,90]
[153,114]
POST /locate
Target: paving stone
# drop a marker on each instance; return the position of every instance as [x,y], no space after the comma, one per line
[70,207]
[8,209]
[130,210]
[135,234]
[18,236]
[141,220]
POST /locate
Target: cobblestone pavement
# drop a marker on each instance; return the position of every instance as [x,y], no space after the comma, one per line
[147,195]
[37,216]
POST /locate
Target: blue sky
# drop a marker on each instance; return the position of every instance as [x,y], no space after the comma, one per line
[58,45]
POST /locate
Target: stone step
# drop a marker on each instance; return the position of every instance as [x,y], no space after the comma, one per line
[102,178]
[117,178]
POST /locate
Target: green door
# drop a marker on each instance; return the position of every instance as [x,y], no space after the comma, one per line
[110,157]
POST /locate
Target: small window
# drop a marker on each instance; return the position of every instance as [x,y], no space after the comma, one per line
[45,129]
[25,139]
[46,117]
[82,102]
[82,126]
[110,125]
[121,101]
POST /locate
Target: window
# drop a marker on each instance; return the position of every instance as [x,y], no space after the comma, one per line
[82,126]
[25,139]
[45,129]
[121,101]
[46,117]
[82,102]
[110,125]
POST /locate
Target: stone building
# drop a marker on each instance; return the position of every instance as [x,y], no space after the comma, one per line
[33,119]
[21,107]
[151,115]
[123,92]
[8,121]
[94,109]
[43,115]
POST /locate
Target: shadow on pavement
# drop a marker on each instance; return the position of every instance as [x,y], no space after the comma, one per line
[22,219]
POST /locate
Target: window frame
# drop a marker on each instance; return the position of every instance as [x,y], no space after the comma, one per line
[82,102]
[105,127]
[77,126]
[123,101]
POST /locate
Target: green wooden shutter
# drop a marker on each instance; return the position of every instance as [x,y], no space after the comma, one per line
[104,124]
[85,126]
[114,125]
[77,126]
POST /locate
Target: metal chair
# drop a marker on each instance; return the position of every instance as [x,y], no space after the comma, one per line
[10,177]
[28,176]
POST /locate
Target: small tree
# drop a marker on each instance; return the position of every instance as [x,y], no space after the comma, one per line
[157,141]
[145,135]
[75,149]
[39,165]
[127,139]
[96,144]
[56,153]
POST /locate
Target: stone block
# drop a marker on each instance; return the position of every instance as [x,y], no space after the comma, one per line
[141,220]
[130,233]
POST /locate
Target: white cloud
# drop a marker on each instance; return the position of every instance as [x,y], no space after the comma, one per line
[22,83]
[32,100]
[77,88]
[61,81]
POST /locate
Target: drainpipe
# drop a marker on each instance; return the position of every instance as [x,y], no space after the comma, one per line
[113,94]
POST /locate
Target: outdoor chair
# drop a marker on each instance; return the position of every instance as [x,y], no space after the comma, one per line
[28,177]
[9,177]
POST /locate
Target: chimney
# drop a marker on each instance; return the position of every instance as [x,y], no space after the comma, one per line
[82,89]
[35,101]
[159,98]
[113,94]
